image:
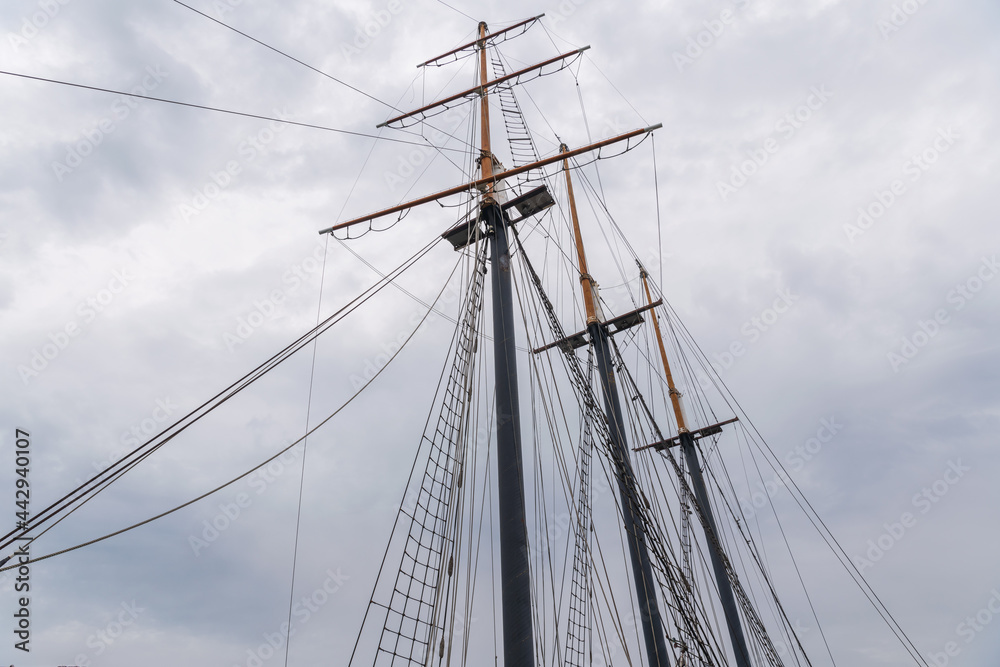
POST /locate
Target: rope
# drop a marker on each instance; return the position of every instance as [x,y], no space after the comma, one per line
[807,508]
[418,602]
[217,109]
[458,11]
[290,57]
[88,490]
[302,472]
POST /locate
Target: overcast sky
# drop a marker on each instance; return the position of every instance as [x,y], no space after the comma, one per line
[833,158]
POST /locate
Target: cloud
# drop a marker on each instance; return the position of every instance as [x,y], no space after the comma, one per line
[259,199]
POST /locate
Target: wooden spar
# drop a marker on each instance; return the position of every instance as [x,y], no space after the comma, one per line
[486,156]
[498,177]
[586,281]
[481,39]
[483,86]
[675,396]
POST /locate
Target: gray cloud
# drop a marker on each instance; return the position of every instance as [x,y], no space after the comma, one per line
[195,278]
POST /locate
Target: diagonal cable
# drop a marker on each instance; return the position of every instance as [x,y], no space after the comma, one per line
[305,64]
[219,110]
[290,57]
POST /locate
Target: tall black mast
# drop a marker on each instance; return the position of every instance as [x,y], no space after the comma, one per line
[712,534]
[518,642]
[642,571]
[518,635]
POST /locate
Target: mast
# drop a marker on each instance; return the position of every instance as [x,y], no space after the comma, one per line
[642,571]
[725,587]
[518,634]
[518,637]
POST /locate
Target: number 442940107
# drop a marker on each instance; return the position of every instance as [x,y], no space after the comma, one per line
[23,461]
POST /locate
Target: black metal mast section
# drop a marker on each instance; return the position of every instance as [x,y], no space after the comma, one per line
[712,535]
[518,635]
[715,551]
[642,570]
